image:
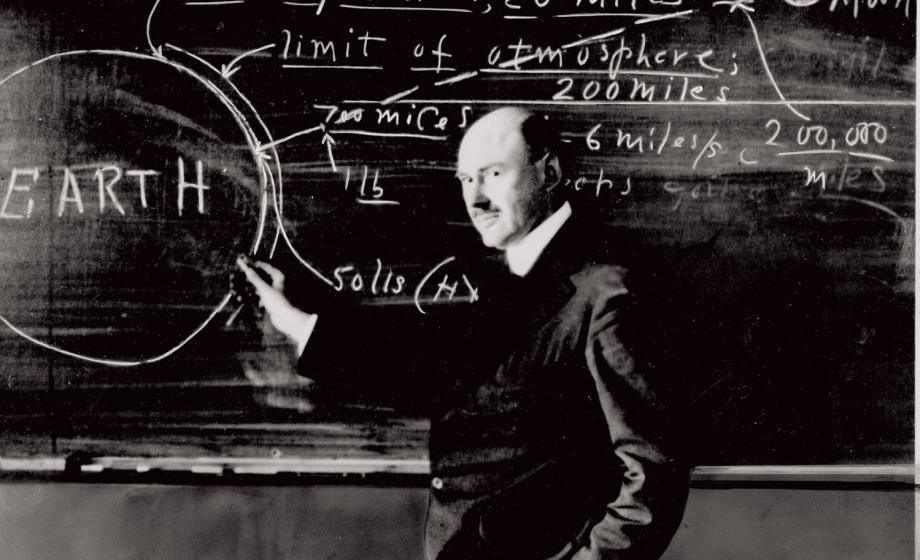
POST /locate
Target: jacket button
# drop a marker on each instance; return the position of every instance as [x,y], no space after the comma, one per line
[437,483]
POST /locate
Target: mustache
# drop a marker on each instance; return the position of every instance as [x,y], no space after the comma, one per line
[480,208]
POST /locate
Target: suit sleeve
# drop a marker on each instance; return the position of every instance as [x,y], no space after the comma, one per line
[369,356]
[641,518]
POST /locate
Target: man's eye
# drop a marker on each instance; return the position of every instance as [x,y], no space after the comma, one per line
[495,173]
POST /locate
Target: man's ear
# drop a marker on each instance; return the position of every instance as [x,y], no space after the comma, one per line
[552,172]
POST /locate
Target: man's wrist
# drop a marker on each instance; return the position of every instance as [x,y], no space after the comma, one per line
[303,331]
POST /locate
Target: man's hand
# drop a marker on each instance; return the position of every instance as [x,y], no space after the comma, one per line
[294,323]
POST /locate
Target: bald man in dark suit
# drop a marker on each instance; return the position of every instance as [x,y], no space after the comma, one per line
[552,437]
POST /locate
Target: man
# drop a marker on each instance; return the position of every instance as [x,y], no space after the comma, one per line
[551,440]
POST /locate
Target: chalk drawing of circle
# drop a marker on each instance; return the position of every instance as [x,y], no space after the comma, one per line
[130,182]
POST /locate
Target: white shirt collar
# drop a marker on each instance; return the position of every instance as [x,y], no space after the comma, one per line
[524,254]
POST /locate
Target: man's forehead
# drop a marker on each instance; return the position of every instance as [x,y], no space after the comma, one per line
[497,136]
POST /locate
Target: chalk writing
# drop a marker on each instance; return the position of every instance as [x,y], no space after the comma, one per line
[657,100]
[368,191]
[435,287]
[422,118]
[600,184]
[115,189]
[446,290]
[849,177]
[347,276]
[855,5]
[724,189]
[656,140]
[13,186]
[328,50]
[859,135]
[198,186]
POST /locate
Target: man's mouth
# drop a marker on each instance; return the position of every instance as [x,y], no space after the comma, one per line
[486,219]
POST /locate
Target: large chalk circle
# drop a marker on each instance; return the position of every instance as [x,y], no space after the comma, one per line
[127,185]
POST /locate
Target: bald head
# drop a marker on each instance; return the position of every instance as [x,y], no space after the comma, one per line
[508,187]
[498,129]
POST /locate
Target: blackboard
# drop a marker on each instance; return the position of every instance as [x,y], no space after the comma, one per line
[145,144]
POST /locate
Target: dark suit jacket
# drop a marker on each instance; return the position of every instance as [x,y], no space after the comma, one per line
[551,437]
[558,440]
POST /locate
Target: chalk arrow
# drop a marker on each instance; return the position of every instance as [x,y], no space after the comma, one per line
[157,51]
[328,140]
[227,70]
[746,5]
[272,144]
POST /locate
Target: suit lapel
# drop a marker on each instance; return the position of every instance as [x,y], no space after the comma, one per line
[515,308]
[548,286]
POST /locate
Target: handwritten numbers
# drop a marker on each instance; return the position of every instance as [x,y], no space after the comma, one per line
[593,143]
[563,94]
[864,133]
[773,123]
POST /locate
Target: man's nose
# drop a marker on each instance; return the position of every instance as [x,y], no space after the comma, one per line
[473,194]
[480,203]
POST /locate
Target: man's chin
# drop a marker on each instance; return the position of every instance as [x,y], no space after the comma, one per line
[492,241]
